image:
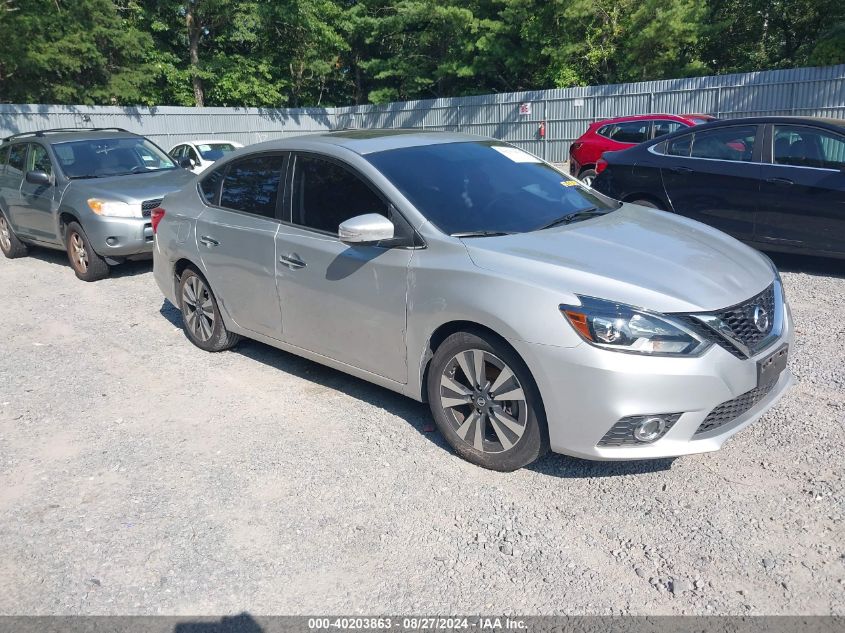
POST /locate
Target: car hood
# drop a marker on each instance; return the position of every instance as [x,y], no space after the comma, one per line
[638,256]
[134,187]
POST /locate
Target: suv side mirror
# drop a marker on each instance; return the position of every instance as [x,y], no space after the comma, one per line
[186,163]
[366,229]
[36,177]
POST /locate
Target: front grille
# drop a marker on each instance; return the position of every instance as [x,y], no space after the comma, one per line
[622,433]
[147,207]
[739,323]
[729,411]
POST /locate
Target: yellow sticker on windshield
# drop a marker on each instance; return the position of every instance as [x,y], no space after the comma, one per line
[569,183]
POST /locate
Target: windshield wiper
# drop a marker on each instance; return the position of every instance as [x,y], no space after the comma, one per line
[569,218]
[85,177]
[481,233]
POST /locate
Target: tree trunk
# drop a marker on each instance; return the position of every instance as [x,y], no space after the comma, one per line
[194,35]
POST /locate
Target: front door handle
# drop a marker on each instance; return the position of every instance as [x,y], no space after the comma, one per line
[680,170]
[209,241]
[292,261]
[780,181]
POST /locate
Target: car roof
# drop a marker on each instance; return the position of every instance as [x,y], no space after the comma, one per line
[370,141]
[70,135]
[207,141]
[655,115]
[824,121]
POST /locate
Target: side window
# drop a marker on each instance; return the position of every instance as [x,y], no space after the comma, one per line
[252,185]
[326,194]
[666,127]
[17,160]
[178,152]
[627,132]
[39,160]
[4,158]
[731,143]
[192,154]
[679,146]
[808,147]
[210,185]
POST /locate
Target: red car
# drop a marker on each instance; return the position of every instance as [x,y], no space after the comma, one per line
[621,133]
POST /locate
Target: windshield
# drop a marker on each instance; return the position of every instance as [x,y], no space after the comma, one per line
[215,151]
[485,186]
[100,158]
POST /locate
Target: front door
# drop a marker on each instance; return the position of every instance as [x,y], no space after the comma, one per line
[802,197]
[713,176]
[347,303]
[236,241]
[39,202]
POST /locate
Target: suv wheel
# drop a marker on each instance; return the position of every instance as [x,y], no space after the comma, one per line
[86,263]
[201,318]
[11,246]
[485,402]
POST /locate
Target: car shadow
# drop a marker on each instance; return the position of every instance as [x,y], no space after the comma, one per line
[811,265]
[129,268]
[416,414]
[242,623]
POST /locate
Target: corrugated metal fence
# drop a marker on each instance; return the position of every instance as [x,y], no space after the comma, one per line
[514,117]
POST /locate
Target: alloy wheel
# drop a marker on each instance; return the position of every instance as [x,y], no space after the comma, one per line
[198,308]
[5,234]
[483,401]
[78,253]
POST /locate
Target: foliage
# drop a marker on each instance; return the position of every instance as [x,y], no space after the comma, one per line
[300,53]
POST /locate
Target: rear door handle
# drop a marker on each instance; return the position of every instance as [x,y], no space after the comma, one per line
[780,181]
[292,261]
[209,241]
[681,170]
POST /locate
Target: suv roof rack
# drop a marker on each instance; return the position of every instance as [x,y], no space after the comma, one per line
[41,133]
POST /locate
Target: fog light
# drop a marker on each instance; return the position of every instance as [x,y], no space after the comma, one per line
[111,241]
[649,429]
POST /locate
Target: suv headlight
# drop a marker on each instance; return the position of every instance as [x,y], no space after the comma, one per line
[623,328]
[114,208]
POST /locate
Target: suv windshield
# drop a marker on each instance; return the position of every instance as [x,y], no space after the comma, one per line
[100,158]
[486,187]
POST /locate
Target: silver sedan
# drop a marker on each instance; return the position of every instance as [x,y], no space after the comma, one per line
[530,311]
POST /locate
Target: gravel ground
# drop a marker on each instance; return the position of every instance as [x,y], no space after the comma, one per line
[139,474]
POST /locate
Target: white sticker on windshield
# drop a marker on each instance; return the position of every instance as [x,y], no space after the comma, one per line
[204,148]
[516,155]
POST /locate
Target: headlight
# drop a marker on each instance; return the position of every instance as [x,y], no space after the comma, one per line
[115,209]
[623,328]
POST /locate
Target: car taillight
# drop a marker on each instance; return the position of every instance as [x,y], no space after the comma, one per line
[155,217]
[601,165]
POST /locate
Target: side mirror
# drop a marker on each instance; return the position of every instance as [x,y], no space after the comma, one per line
[39,178]
[186,163]
[366,229]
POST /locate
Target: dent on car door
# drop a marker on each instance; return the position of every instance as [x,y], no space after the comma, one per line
[802,196]
[714,176]
[345,302]
[236,240]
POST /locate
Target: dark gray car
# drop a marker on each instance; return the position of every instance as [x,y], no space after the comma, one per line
[89,192]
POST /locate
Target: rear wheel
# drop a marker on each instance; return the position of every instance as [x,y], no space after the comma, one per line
[11,246]
[485,402]
[84,260]
[201,318]
[647,203]
[587,176]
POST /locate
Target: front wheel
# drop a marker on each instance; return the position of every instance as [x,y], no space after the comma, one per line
[85,261]
[485,402]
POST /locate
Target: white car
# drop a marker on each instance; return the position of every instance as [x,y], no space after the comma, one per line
[203,153]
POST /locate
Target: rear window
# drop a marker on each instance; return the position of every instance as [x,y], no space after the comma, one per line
[17,159]
[252,185]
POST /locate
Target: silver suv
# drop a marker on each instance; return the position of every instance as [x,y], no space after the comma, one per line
[529,310]
[89,192]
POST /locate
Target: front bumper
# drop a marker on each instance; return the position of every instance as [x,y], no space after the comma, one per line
[120,237]
[586,390]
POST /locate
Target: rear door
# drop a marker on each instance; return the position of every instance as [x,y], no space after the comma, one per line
[345,302]
[802,196]
[236,240]
[40,201]
[12,180]
[714,176]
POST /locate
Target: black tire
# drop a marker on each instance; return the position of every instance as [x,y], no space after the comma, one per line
[647,203]
[484,418]
[203,327]
[85,261]
[587,176]
[11,246]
